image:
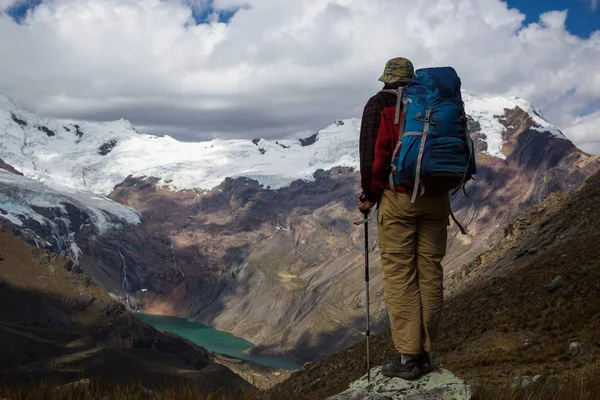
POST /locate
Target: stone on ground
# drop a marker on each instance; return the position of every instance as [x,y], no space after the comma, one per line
[578,349]
[524,382]
[442,385]
[78,384]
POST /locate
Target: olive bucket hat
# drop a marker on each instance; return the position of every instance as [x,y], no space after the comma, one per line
[398,70]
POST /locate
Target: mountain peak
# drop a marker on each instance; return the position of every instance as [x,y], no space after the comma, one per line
[7,102]
[121,124]
[489,112]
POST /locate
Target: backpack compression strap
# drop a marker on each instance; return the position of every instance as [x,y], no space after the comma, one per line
[420,158]
[471,155]
[462,228]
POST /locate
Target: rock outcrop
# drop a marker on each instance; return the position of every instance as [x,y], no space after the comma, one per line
[437,385]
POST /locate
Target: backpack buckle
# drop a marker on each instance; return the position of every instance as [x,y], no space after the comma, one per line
[425,120]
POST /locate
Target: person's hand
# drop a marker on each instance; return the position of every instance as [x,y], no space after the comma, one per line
[365,206]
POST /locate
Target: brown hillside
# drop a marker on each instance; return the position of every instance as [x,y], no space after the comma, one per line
[501,320]
[57,325]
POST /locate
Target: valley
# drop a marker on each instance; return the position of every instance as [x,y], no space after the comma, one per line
[252,237]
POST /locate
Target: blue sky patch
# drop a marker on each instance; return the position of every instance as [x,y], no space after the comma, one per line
[581,19]
[18,11]
[591,108]
[203,16]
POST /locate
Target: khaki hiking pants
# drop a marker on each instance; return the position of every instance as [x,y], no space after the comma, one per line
[412,242]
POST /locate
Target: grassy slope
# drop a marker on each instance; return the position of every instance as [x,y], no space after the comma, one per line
[501,321]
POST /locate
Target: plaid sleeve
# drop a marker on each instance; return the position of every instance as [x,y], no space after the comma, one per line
[368,135]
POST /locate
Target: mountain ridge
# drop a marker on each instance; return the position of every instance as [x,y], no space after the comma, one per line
[280,267]
[110,152]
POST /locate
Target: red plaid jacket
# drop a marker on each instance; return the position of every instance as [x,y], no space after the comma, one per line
[378,138]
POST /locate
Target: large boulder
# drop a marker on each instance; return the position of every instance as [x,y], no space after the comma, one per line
[438,385]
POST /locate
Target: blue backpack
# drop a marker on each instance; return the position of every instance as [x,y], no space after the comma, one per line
[436,150]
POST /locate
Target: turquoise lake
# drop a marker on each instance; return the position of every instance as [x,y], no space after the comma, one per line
[214,340]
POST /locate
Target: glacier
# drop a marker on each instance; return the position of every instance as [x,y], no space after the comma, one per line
[25,202]
[95,157]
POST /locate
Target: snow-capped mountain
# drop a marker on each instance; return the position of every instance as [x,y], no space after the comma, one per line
[488,112]
[99,156]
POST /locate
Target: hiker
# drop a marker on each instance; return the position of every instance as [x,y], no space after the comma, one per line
[412,230]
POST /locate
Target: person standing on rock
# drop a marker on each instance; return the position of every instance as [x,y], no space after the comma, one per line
[412,236]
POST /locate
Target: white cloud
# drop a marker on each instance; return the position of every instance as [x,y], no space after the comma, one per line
[593,4]
[278,68]
[586,132]
[229,4]
[6,4]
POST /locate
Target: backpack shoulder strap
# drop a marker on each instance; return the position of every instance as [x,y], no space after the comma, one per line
[399,94]
[400,110]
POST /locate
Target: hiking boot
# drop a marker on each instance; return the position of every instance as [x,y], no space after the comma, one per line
[395,369]
[425,364]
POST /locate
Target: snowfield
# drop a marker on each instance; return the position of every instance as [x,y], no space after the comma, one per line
[95,157]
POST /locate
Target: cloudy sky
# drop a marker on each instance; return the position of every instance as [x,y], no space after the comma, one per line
[197,69]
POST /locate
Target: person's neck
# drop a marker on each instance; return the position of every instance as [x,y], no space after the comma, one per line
[393,86]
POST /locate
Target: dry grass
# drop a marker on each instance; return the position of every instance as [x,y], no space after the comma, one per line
[114,391]
[581,386]
[575,386]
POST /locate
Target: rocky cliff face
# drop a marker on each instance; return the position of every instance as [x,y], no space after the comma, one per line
[258,261]
[271,258]
[535,164]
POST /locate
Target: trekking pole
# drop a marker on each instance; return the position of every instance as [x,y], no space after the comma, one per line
[367,290]
[365,222]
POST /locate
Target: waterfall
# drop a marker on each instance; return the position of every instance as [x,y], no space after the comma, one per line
[125,282]
[175,261]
